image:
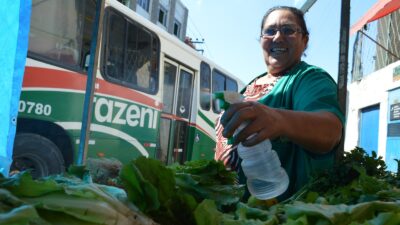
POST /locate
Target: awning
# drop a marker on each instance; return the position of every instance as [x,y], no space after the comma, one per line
[380,9]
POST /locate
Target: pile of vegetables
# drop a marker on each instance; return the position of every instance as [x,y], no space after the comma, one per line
[358,190]
[173,195]
[64,200]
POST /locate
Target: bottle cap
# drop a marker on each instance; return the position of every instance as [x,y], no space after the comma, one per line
[223,100]
[220,100]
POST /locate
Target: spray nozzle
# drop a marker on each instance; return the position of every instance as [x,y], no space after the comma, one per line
[220,101]
[224,99]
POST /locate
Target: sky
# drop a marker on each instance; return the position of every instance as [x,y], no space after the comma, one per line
[231,28]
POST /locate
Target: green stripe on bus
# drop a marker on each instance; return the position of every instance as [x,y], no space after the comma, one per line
[208,121]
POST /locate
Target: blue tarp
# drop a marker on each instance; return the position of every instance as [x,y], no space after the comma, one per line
[14,27]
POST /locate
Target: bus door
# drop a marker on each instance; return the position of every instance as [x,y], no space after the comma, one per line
[175,118]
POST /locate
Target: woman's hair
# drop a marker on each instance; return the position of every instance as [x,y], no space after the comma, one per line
[298,13]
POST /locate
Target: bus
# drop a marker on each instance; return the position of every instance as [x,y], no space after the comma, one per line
[152,95]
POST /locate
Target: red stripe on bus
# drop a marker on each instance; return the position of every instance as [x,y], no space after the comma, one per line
[173,117]
[127,93]
[36,77]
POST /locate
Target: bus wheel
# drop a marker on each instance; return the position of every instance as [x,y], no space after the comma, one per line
[37,154]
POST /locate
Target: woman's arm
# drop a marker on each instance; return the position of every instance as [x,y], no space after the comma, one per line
[319,132]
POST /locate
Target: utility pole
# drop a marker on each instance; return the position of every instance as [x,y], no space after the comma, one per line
[343,59]
[198,42]
[307,5]
[90,83]
[343,65]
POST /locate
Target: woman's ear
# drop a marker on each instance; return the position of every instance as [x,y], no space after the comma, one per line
[305,39]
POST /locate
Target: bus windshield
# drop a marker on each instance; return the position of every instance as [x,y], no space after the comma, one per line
[61,30]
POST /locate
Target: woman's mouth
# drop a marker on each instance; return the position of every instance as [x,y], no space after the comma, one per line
[278,50]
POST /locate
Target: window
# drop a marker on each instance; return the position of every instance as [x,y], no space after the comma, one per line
[131,54]
[220,82]
[231,85]
[205,86]
[162,16]
[184,94]
[115,50]
[177,28]
[58,31]
[145,4]
[169,87]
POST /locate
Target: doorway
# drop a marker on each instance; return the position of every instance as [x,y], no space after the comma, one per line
[176,113]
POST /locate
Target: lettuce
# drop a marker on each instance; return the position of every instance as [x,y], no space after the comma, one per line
[64,199]
[170,195]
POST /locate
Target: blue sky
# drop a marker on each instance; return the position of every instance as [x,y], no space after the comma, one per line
[230,29]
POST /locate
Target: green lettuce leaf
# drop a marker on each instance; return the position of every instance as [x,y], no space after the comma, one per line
[22,184]
[13,211]
[72,199]
[208,214]
[159,176]
[339,214]
[140,191]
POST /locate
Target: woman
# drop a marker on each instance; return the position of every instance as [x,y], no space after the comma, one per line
[294,104]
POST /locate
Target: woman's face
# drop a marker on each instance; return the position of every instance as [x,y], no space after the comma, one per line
[281,52]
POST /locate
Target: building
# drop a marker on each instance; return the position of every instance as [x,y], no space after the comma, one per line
[388,35]
[373,104]
[171,15]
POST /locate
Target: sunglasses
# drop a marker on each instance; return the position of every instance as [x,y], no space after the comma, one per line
[285,30]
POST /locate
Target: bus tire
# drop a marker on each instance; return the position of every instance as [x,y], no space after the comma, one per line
[38,154]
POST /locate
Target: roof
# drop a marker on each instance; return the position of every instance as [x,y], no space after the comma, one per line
[380,9]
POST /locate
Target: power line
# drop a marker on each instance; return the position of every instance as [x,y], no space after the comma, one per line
[202,40]
[195,27]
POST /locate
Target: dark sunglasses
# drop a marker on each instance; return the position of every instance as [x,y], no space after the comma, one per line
[285,30]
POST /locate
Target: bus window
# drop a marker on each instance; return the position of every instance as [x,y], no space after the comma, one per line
[90,11]
[131,54]
[205,86]
[56,31]
[114,64]
[184,94]
[138,58]
[220,82]
[169,87]
[231,85]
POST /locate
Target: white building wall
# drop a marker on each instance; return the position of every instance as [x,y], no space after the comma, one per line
[371,90]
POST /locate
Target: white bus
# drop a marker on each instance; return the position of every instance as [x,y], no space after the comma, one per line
[152,97]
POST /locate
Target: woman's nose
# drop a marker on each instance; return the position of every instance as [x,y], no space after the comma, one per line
[278,35]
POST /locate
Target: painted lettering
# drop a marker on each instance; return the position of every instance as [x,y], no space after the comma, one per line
[108,104]
[133,115]
[149,113]
[116,112]
[121,108]
[37,108]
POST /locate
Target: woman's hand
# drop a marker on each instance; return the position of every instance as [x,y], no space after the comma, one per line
[263,122]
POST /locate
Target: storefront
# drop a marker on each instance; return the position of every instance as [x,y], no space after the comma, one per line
[373,115]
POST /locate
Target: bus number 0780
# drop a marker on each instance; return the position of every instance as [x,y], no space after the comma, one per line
[34,107]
